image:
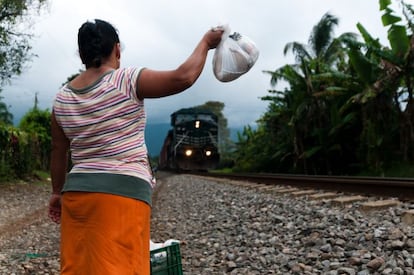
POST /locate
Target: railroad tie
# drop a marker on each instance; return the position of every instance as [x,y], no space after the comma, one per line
[378,205]
[303,193]
[321,196]
[285,190]
[248,184]
[267,187]
[348,199]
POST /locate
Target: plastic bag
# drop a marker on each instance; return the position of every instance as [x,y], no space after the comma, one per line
[234,56]
[154,246]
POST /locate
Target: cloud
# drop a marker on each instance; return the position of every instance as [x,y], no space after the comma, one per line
[161,34]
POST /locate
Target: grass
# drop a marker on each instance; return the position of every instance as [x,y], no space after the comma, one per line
[224,170]
[398,170]
[401,171]
[37,177]
[40,177]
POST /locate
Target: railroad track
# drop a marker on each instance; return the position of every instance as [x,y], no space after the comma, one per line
[368,193]
[400,188]
[245,212]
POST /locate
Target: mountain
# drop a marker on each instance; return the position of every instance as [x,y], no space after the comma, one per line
[156,133]
[154,137]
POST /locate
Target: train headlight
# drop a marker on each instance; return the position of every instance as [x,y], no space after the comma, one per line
[197,124]
[208,153]
[188,152]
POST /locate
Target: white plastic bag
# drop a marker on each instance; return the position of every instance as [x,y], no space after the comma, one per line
[234,56]
[163,254]
[154,246]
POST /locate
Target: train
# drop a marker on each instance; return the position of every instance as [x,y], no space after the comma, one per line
[192,142]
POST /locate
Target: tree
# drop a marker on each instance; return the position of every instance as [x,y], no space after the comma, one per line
[386,82]
[14,42]
[224,133]
[36,123]
[345,111]
[313,82]
[5,116]
[225,145]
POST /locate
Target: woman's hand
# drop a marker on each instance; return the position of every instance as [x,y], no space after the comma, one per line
[213,37]
[54,208]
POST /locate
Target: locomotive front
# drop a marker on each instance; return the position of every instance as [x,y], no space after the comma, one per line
[194,144]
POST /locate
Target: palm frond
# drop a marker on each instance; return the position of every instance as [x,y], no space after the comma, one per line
[322,34]
[298,50]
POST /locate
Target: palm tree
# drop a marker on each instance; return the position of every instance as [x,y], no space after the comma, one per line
[311,80]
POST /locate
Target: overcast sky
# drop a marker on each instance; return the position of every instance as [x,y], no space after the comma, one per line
[160,34]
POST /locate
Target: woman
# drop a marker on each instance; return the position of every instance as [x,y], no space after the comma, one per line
[104,202]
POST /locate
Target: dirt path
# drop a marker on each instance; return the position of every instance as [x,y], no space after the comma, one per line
[21,204]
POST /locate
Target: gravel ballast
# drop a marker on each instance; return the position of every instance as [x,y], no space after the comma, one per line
[227,229]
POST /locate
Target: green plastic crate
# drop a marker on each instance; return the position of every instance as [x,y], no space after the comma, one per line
[166,260]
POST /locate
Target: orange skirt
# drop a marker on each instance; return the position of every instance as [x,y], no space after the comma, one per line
[104,234]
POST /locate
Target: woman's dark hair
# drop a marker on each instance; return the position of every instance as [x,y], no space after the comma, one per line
[96,41]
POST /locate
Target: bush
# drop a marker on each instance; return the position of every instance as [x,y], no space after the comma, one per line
[21,153]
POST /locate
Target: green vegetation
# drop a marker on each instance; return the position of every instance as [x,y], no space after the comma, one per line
[21,149]
[36,123]
[16,16]
[348,108]
[26,149]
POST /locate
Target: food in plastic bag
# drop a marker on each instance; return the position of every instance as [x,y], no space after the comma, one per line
[234,56]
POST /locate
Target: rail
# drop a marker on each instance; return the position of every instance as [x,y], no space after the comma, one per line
[401,188]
